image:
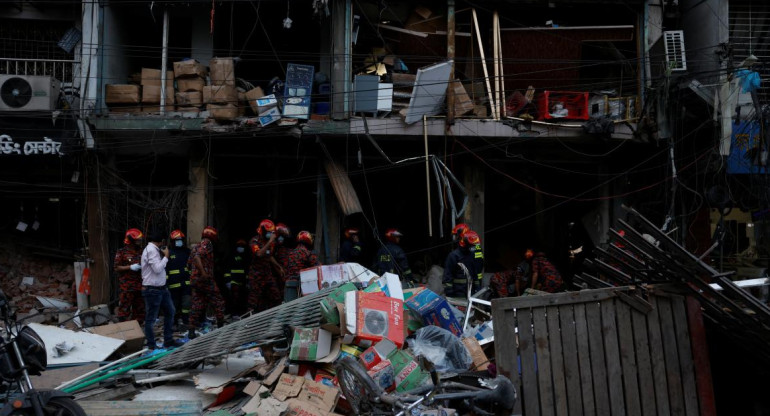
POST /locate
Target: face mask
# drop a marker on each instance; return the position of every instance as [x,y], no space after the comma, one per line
[268,235]
[472,249]
[179,243]
[240,249]
[280,239]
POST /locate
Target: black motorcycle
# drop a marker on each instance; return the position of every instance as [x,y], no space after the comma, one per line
[22,354]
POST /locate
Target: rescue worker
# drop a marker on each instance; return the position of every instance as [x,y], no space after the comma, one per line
[457,235]
[543,274]
[455,278]
[264,272]
[235,276]
[282,249]
[392,259]
[205,291]
[350,251]
[301,257]
[127,265]
[178,276]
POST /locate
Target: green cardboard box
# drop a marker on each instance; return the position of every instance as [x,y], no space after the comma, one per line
[409,375]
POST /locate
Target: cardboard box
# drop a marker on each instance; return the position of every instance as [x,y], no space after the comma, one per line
[310,344]
[156,108]
[288,386]
[328,304]
[223,111]
[189,98]
[480,360]
[434,310]
[266,103]
[151,94]
[371,317]
[126,109]
[327,379]
[190,84]
[322,396]
[384,375]
[463,103]
[376,353]
[122,94]
[222,71]
[130,331]
[251,98]
[408,373]
[297,407]
[195,110]
[151,77]
[220,94]
[189,68]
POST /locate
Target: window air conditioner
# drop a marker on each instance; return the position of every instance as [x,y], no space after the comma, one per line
[675,59]
[28,93]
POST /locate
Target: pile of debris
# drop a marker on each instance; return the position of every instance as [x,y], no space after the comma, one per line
[25,283]
[280,361]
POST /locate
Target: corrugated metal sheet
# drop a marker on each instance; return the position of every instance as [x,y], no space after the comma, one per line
[127,408]
[263,328]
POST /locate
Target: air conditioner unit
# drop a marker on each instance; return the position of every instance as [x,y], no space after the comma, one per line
[28,92]
[674,43]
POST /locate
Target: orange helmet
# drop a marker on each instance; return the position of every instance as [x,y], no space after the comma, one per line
[305,237]
[529,254]
[210,233]
[459,230]
[241,243]
[470,239]
[350,231]
[282,229]
[265,226]
[177,235]
[132,234]
[392,235]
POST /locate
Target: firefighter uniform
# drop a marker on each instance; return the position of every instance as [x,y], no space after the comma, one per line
[178,281]
[205,291]
[236,277]
[392,259]
[350,251]
[300,258]
[264,290]
[130,300]
[455,279]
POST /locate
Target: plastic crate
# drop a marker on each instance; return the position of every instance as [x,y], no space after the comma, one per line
[566,105]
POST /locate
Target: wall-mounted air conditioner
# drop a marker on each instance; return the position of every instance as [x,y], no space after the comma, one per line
[28,92]
[674,42]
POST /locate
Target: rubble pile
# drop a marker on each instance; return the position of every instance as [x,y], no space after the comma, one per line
[384,327]
[24,281]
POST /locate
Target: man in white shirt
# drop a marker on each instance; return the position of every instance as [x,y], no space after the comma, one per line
[155,293]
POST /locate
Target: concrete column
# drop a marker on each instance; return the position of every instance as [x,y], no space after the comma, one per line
[474,213]
[98,252]
[341,65]
[197,203]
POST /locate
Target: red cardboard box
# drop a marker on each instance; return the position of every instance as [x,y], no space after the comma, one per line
[372,317]
[376,353]
[384,375]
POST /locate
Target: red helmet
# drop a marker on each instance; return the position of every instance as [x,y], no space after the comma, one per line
[392,235]
[350,231]
[282,229]
[305,237]
[241,243]
[265,226]
[470,239]
[459,230]
[132,234]
[210,233]
[177,235]
[529,254]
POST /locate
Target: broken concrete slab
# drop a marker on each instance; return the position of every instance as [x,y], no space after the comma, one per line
[180,391]
[87,347]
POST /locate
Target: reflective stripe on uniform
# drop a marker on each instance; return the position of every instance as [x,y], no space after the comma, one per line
[480,276]
[463,281]
[239,271]
[177,271]
[175,285]
[187,283]
[227,274]
[478,255]
[235,282]
[385,257]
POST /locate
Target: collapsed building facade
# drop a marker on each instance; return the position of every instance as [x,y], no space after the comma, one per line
[532,121]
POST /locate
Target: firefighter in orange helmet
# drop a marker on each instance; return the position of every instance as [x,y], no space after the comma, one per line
[264,272]
[350,250]
[205,291]
[391,257]
[455,277]
[301,257]
[129,270]
[178,275]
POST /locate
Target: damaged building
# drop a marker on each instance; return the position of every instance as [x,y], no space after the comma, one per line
[532,121]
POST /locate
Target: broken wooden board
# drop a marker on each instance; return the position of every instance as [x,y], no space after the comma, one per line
[155,407]
[88,347]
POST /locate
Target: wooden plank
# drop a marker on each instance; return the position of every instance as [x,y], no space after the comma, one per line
[571,366]
[671,355]
[505,334]
[584,360]
[527,358]
[628,359]
[612,355]
[543,354]
[700,355]
[557,361]
[685,356]
[657,359]
[133,408]
[643,364]
[598,363]
[594,295]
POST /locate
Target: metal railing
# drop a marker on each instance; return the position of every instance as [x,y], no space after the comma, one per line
[61,69]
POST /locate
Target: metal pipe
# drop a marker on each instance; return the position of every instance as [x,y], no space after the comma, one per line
[427,174]
[163,63]
[163,378]
[112,364]
[450,54]
[441,200]
[116,372]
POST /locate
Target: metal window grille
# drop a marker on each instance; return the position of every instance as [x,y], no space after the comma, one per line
[675,57]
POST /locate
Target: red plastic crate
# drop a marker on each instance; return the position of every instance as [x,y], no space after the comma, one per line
[575,104]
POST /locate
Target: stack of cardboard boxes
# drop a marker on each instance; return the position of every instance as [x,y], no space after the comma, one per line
[151,90]
[123,98]
[221,97]
[190,79]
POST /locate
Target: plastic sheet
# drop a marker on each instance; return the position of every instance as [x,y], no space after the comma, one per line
[442,348]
